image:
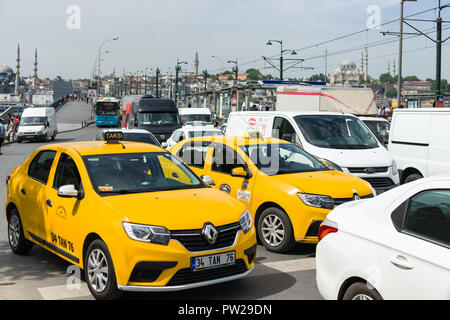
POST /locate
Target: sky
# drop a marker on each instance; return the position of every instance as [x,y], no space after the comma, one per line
[68,35]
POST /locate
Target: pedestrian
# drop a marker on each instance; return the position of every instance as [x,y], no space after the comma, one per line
[2,134]
[254,108]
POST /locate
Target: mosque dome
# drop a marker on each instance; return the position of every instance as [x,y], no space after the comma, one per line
[4,69]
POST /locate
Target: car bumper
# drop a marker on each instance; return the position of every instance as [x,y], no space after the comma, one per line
[177,274]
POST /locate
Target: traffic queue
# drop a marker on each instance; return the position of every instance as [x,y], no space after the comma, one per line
[137,217]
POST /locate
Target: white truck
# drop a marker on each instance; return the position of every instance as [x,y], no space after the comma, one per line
[356,101]
[195,116]
[37,123]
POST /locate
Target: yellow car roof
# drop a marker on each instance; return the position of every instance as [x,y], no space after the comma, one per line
[231,140]
[85,148]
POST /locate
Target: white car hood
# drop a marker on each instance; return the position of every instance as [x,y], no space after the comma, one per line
[25,129]
[378,157]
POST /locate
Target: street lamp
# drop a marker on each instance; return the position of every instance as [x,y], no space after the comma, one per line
[235,68]
[99,58]
[177,70]
[293,52]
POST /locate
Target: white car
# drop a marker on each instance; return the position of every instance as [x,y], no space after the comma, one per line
[188,132]
[394,246]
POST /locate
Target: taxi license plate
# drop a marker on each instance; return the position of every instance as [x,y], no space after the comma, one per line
[213,261]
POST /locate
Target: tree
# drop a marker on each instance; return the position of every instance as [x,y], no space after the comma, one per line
[317,77]
[386,77]
[411,78]
[254,74]
[391,93]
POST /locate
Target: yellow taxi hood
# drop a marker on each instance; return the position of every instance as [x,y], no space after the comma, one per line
[179,209]
[335,184]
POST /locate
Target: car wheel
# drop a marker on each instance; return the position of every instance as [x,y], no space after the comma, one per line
[17,241]
[361,291]
[54,136]
[99,272]
[412,177]
[275,230]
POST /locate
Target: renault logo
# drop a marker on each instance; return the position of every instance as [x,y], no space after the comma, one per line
[210,233]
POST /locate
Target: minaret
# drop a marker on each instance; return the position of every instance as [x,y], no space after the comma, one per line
[362,64]
[35,76]
[16,89]
[196,65]
[389,67]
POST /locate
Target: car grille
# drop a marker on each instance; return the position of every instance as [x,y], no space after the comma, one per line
[338,202]
[187,276]
[380,183]
[193,239]
[362,170]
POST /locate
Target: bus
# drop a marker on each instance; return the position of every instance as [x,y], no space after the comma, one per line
[107,112]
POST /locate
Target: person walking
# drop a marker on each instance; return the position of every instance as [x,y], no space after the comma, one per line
[2,135]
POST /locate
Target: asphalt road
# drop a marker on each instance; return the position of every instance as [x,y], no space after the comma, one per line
[42,275]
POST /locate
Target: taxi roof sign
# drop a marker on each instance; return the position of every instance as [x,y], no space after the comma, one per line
[253,135]
[113,136]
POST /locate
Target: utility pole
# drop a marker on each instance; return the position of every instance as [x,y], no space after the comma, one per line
[281,69]
[205,77]
[400,59]
[157,81]
[177,71]
[235,68]
[439,51]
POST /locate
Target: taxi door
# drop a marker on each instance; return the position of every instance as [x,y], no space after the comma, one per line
[220,161]
[64,213]
[32,193]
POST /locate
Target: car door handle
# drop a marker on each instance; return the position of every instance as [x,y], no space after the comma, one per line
[401,262]
[49,203]
[23,191]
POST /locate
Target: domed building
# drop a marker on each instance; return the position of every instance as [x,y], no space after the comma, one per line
[347,73]
[7,78]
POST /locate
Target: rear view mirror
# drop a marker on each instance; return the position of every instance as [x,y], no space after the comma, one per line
[239,172]
[68,191]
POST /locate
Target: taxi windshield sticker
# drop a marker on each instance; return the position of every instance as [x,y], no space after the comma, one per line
[105,189]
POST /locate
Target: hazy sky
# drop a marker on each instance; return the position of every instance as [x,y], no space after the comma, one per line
[156,33]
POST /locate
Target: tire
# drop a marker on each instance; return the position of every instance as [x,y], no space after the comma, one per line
[19,245]
[99,272]
[54,136]
[361,291]
[412,177]
[274,221]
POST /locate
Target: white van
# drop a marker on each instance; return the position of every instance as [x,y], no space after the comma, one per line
[342,141]
[419,142]
[195,116]
[37,124]
[380,127]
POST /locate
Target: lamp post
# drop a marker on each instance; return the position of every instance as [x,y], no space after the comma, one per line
[293,52]
[177,71]
[99,58]
[235,68]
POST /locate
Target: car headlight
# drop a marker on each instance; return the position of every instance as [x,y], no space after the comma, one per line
[144,233]
[246,221]
[318,201]
[331,165]
[394,168]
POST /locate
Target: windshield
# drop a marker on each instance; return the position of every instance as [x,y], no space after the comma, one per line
[140,137]
[32,121]
[106,108]
[274,159]
[380,129]
[139,173]
[336,132]
[159,118]
[198,133]
[189,118]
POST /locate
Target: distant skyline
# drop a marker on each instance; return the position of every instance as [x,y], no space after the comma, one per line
[156,33]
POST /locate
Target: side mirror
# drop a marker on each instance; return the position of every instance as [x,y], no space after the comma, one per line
[208,180]
[239,172]
[164,145]
[68,191]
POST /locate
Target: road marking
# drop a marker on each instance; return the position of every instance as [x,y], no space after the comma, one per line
[63,292]
[292,265]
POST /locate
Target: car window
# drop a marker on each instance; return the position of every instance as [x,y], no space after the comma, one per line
[66,173]
[40,166]
[283,129]
[428,216]
[225,159]
[193,153]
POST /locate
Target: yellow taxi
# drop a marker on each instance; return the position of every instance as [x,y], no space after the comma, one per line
[132,215]
[288,191]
